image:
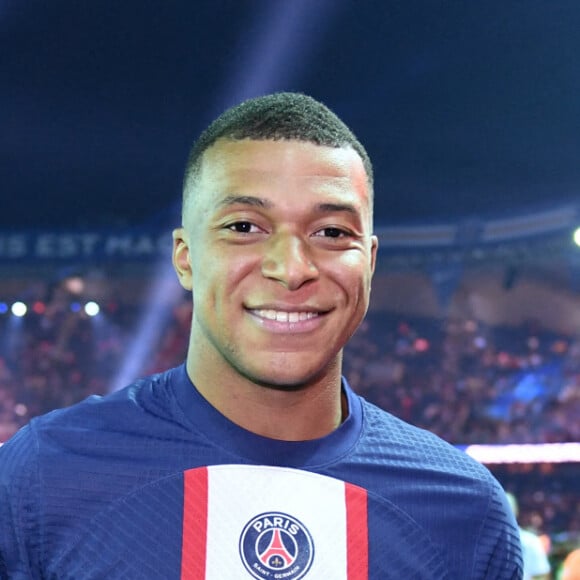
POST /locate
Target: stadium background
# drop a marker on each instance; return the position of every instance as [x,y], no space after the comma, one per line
[470,113]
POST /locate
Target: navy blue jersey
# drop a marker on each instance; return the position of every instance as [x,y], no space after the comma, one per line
[153,482]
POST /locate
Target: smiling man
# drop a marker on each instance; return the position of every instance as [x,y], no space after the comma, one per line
[278,251]
[255,459]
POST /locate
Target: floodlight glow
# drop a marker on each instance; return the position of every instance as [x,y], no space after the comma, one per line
[3,308]
[75,284]
[19,309]
[576,236]
[150,327]
[92,308]
[75,307]
[525,453]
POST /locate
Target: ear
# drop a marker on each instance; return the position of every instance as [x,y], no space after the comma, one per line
[181,258]
[374,251]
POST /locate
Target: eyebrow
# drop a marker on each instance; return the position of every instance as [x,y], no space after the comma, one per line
[336,207]
[245,200]
[267,204]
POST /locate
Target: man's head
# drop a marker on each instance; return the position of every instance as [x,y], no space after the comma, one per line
[276,243]
[280,116]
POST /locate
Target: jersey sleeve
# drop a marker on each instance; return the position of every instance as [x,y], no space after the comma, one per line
[499,553]
[19,490]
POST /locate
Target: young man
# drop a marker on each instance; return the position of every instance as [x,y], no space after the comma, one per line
[255,459]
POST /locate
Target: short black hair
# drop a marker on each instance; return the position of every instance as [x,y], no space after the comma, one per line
[276,117]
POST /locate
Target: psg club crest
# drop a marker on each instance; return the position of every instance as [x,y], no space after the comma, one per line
[274,545]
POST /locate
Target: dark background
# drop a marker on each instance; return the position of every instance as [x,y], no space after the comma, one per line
[467,108]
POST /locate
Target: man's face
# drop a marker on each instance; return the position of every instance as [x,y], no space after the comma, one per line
[277,249]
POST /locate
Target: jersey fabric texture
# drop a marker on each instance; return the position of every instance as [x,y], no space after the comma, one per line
[153,482]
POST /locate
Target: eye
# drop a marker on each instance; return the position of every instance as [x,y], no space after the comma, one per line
[331,232]
[243,227]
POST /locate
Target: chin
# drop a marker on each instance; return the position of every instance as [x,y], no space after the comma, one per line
[283,387]
[278,380]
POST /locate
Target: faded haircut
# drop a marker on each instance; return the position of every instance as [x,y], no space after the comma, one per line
[276,117]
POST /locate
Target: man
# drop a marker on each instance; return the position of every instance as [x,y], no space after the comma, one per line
[255,459]
[534,557]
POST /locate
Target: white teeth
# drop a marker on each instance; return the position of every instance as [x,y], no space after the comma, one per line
[282,316]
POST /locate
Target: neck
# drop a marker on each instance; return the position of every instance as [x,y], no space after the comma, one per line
[298,414]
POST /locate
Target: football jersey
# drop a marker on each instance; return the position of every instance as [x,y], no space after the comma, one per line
[153,482]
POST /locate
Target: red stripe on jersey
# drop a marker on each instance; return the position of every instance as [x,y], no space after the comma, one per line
[194,543]
[357,553]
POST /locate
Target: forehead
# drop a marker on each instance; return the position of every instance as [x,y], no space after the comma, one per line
[235,163]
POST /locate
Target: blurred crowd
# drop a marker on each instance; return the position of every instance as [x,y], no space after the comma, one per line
[58,355]
[470,383]
[458,378]
[547,494]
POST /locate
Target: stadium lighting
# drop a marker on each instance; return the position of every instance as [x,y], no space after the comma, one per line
[576,236]
[525,453]
[74,285]
[92,308]
[19,309]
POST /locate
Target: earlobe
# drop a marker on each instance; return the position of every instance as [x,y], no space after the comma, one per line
[181,259]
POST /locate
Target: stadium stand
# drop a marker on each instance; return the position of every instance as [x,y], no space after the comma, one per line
[473,333]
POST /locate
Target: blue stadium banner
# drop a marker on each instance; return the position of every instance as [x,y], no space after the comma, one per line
[99,245]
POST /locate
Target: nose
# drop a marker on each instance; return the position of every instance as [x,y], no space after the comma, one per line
[287,260]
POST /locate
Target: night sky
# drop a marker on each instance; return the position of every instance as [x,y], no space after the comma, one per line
[466,108]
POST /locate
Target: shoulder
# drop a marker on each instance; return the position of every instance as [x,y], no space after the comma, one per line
[429,463]
[146,396]
[443,490]
[64,468]
[129,411]
[418,448]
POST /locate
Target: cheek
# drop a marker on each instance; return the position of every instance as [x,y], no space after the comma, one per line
[218,275]
[354,275]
